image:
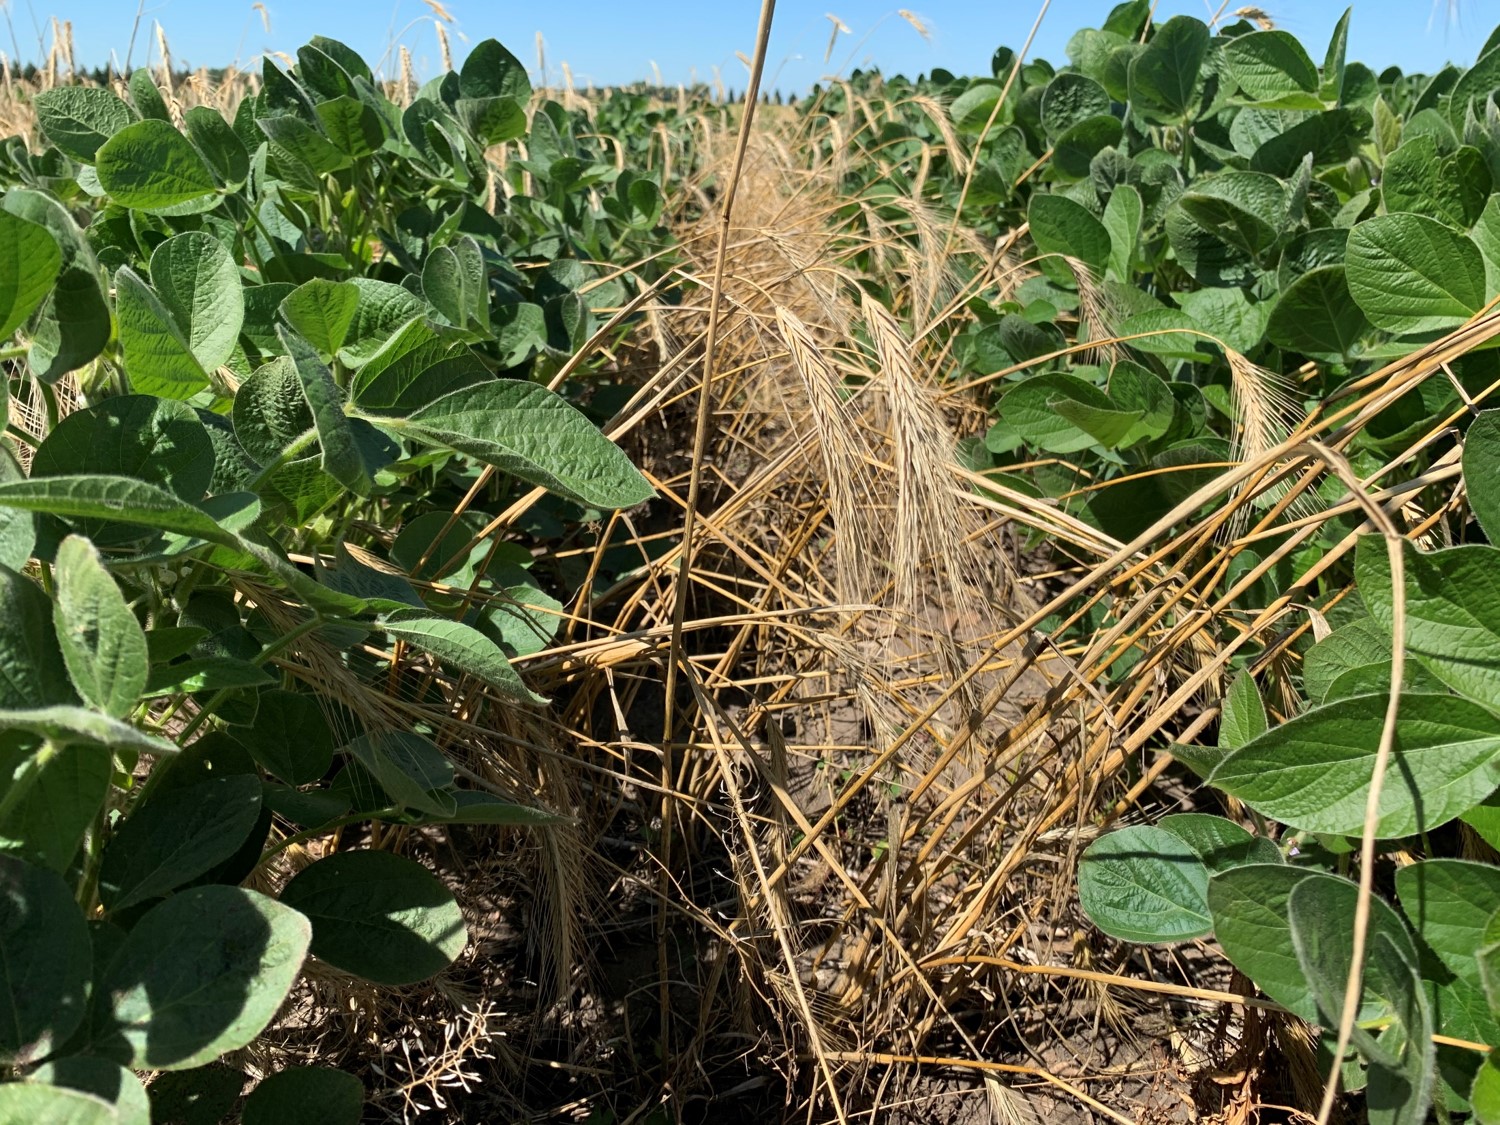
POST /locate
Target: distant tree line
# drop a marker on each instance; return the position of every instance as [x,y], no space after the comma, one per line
[702,90]
[103,75]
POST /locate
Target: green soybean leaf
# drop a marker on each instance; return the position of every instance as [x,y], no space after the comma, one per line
[29,263]
[1324,954]
[102,496]
[1122,219]
[73,324]
[383,309]
[1249,908]
[44,944]
[32,669]
[1165,332]
[1461,1010]
[262,303]
[158,357]
[150,166]
[1481,461]
[214,754]
[353,127]
[17,529]
[199,283]
[66,726]
[1128,18]
[1310,250]
[474,807]
[1228,316]
[78,119]
[415,367]
[1376,678]
[99,1078]
[1450,902]
[1069,99]
[204,1095]
[1108,427]
[1409,273]
[321,67]
[1244,209]
[1132,387]
[1332,78]
[206,673]
[290,737]
[1331,136]
[322,312]
[1313,772]
[569,324]
[343,456]
[1144,884]
[524,619]
[1387,132]
[524,429]
[645,202]
[1484,1096]
[492,121]
[218,144]
[1244,713]
[302,152]
[1208,258]
[1219,843]
[305,1095]
[1164,76]
[520,332]
[1452,610]
[145,95]
[1321,913]
[271,557]
[285,93]
[491,71]
[1061,226]
[423,547]
[102,643]
[25,1103]
[456,282]
[1272,66]
[463,648]
[176,836]
[270,411]
[1317,316]
[1452,187]
[307,807]
[200,974]
[971,109]
[168,642]
[57,794]
[1029,408]
[367,576]
[379,916]
[1474,86]
[155,441]
[1074,151]
[1488,958]
[1355,645]
[410,768]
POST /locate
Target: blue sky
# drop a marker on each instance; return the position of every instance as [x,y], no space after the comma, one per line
[609,41]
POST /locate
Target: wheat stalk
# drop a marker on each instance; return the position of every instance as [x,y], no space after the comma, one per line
[839,28]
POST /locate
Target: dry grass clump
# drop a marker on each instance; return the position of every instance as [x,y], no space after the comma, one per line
[860,693]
